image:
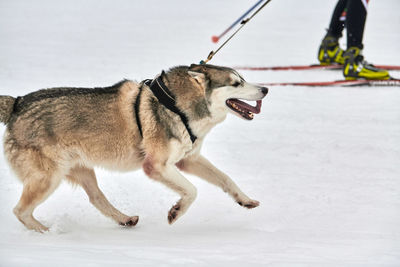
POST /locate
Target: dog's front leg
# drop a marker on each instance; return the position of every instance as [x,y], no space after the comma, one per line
[169,175]
[201,167]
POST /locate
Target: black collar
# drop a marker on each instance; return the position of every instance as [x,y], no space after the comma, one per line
[166,98]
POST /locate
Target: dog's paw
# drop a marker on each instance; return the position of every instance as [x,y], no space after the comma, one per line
[40,229]
[250,204]
[173,213]
[132,221]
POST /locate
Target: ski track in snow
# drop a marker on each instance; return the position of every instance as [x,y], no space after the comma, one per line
[323,162]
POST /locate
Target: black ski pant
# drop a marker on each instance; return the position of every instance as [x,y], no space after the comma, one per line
[356,14]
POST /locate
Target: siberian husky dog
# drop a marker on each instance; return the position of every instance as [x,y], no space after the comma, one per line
[158,125]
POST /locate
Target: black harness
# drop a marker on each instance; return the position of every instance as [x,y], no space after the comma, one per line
[166,98]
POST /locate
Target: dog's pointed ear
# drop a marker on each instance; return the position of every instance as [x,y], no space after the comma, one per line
[198,68]
[198,76]
[193,66]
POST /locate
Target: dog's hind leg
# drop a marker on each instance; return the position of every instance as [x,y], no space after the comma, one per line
[169,175]
[40,178]
[201,167]
[86,178]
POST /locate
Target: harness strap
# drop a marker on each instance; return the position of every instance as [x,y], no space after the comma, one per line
[167,99]
[137,104]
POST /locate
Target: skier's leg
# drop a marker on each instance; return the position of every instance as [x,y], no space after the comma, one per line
[336,25]
[355,22]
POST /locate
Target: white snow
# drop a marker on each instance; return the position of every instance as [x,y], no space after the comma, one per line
[323,162]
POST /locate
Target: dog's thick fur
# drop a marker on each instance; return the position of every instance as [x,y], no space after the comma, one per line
[63,133]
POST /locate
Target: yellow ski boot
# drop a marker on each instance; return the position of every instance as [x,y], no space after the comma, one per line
[330,52]
[356,68]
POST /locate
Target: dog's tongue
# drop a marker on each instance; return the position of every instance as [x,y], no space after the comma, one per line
[247,107]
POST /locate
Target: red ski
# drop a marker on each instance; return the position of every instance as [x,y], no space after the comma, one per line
[310,67]
[390,82]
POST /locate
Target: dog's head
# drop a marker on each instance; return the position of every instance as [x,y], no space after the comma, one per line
[221,90]
[225,87]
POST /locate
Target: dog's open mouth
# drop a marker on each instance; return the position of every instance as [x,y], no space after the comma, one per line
[245,110]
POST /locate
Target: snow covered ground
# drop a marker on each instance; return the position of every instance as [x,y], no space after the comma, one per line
[323,162]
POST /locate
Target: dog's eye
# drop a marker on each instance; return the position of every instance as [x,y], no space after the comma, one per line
[236,84]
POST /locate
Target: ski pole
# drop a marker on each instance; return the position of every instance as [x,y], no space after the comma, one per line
[212,53]
[215,38]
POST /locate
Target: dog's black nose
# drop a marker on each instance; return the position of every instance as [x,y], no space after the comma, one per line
[264,90]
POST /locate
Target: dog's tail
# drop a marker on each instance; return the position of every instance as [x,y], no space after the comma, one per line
[6,108]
